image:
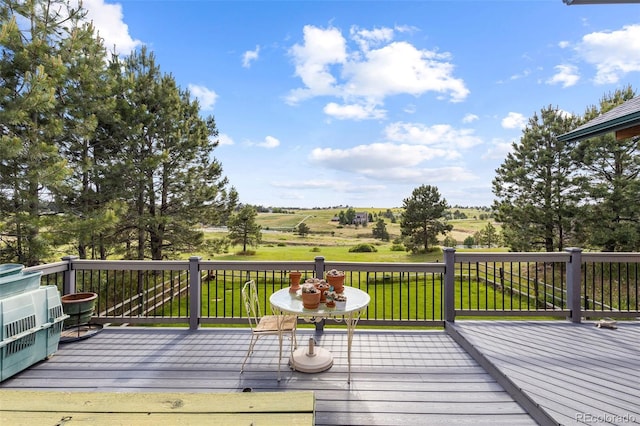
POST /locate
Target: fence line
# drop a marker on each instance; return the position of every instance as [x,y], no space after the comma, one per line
[567,284]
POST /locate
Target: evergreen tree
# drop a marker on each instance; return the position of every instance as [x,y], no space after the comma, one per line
[380,230]
[303,229]
[536,187]
[243,228]
[90,213]
[32,116]
[488,235]
[423,218]
[350,216]
[610,184]
[449,241]
[469,242]
[171,181]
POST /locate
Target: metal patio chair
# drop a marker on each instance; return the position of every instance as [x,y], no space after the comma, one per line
[266,325]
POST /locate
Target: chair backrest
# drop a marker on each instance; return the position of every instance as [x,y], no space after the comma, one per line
[251,302]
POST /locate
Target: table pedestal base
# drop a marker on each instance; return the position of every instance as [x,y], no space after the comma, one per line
[311,360]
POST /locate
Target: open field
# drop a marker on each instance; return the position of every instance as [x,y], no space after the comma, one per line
[320,222]
[333,241]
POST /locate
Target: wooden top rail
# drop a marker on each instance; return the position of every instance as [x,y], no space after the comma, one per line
[19,407]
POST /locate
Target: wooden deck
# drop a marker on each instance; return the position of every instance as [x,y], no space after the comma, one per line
[576,373]
[398,377]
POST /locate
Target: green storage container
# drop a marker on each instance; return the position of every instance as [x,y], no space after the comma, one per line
[10,269]
[30,328]
[15,283]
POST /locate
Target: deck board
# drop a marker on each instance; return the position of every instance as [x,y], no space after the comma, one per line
[21,407]
[571,370]
[398,377]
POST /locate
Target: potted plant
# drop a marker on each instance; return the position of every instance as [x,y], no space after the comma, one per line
[335,278]
[330,296]
[323,287]
[310,296]
[341,302]
[294,277]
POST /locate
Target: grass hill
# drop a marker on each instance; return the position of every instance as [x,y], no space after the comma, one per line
[333,241]
[321,224]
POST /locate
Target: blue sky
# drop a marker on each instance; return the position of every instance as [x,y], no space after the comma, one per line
[328,103]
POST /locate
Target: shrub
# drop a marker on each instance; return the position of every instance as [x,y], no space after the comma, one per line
[398,247]
[315,249]
[363,248]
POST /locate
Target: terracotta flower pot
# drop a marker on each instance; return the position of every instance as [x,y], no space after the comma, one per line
[294,277]
[337,281]
[323,287]
[311,300]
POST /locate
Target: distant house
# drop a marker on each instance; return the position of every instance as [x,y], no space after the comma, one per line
[361,218]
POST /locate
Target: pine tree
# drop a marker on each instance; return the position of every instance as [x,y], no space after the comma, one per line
[610,184]
[174,183]
[32,113]
[423,219]
[535,187]
[243,228]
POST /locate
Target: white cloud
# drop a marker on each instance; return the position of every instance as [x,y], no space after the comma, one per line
[108,21]
[321,49]
[225,139]
[470,118]
[614,53]
[250,56]
[401,68]
[353,112]
[410,147]
[567,75]
[374,157]
[440,135]
[325,184]
[498,149]
[206,98]
[514,120]
[269,142]
[390,162]
[410,109]
[564,44]
[368,38]
[523,74]
[375,69]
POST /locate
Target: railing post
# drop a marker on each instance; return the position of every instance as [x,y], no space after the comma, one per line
[449,284]
[319,273]
[319,268]
[573,284]
[195,292]
[69,276]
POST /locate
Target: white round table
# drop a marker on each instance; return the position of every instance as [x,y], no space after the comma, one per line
[315,359]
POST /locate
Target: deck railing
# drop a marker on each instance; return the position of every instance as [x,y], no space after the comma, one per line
[568,284]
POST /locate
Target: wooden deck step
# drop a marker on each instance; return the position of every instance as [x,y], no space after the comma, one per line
[107,408]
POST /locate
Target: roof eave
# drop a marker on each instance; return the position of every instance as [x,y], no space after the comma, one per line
[600,128]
